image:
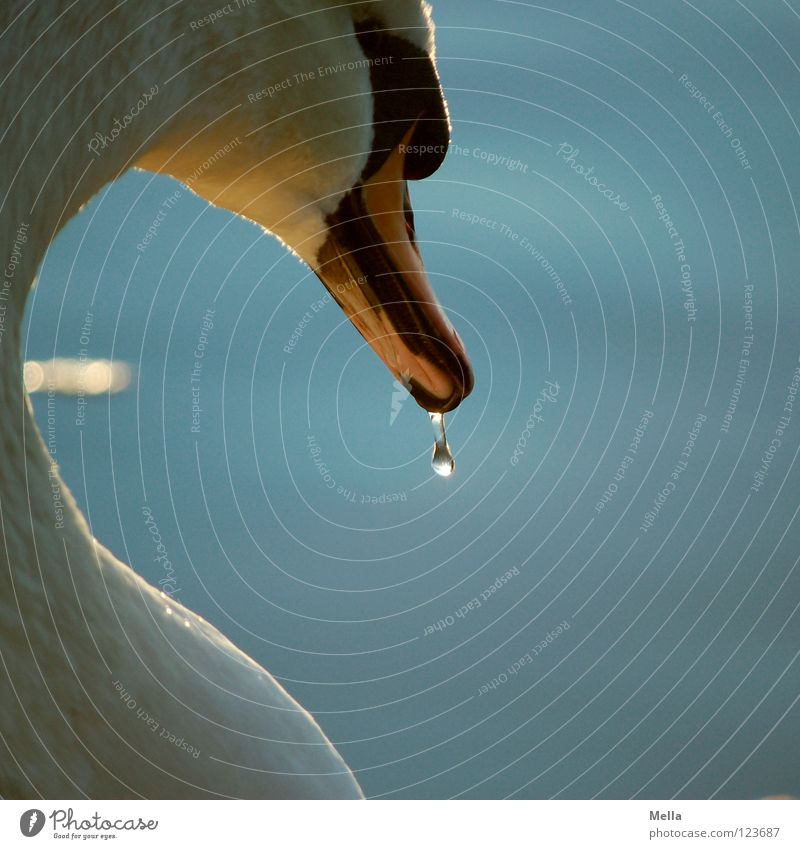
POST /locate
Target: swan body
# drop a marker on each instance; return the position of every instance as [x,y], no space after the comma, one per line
[108,687]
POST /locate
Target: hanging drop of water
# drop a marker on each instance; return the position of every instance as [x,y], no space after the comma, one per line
[442,460]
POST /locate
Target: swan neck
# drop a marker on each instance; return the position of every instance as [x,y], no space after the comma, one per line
[81,106]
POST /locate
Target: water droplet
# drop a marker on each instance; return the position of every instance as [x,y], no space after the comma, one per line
[442,460]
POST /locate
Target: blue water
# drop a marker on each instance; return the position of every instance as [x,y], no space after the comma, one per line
[509,631]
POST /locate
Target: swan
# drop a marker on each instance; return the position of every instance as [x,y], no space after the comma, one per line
[313,115]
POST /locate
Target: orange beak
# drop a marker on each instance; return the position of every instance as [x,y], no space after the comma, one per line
[372,266]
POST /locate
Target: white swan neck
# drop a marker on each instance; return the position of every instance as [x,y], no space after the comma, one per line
[68,133]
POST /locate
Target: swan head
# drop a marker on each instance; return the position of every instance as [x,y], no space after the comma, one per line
[315,125]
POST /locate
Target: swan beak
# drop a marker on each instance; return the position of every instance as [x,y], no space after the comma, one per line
[371,265]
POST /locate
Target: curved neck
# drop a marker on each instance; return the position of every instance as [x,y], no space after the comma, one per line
[93,91]
[80,106]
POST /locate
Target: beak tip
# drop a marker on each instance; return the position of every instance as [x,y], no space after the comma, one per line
[461,388]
